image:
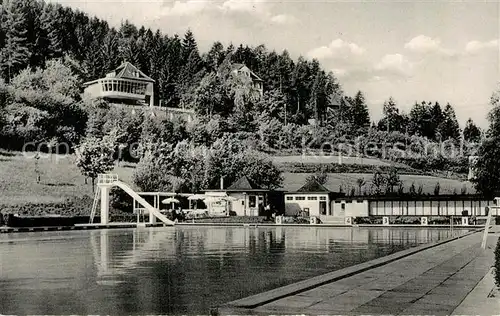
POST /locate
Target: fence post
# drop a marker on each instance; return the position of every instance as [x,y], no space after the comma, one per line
[486,228]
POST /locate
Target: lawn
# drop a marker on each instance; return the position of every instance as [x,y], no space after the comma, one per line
[293,181]
[322,159]
[60,178]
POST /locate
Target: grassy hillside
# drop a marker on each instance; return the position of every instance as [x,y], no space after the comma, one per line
[294,181]
[60,178]
[322,159]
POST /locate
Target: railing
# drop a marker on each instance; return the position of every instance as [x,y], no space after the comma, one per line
[107,178]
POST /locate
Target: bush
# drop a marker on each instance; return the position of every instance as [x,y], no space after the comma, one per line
[297,167]
[497,264]
[367,220]
[120,200]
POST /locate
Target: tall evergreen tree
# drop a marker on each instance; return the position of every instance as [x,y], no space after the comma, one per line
[392,119]
[359,112]
[436,114]
[472,133]
[449,128]
[214,57]
[15,52]
[189,46]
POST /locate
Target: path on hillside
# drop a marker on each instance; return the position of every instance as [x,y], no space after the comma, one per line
[433,281]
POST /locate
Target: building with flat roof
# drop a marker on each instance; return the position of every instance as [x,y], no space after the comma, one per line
[125,84]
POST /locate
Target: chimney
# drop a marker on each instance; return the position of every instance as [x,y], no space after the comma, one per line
[222,183]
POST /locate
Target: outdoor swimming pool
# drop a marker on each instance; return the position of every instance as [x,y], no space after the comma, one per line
[178,269]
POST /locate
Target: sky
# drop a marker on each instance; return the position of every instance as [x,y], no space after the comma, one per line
[445,51]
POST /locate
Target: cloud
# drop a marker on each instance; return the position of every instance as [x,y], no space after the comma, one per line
[186,8]
[338,72]
[390,66]
[245,6]
[394,65]
[427,45]
[284,19]
[259,9]
[337,49]
[476,46]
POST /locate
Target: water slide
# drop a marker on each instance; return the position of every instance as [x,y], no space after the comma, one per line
[143,202]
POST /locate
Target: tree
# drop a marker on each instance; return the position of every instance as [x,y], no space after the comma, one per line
[14,48]
[392,179]
[449,128]
[95,156]
[211,98]
[487,169]
[214,57]
[436,114]
[200,167]
[420,189]
[412,190]
[472,133]
[52,94]
[378,181]
[359,112]
[320,176]
[421,119]
[360,182]
[437,188]
[392,120]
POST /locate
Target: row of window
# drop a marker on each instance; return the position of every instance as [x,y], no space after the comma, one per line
[123,86]
[303,198]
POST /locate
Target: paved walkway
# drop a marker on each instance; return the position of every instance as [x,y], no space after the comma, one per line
[434,281]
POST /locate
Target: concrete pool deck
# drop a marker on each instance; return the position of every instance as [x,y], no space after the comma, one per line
[435,279]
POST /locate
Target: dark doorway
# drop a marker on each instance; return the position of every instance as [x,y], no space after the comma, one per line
[322,207]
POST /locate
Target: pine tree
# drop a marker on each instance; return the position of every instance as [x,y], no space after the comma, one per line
[109,52]
[421,120]
[449,128]
[471,132]
[359,112]
[392,120]
[436,114]
[15,52]
[189,46]
[318,101]
[215,56]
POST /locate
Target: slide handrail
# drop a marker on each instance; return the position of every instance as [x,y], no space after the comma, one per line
[143,202]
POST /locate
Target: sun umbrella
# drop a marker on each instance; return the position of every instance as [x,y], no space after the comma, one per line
[197,197]
[230,198]
[170,200]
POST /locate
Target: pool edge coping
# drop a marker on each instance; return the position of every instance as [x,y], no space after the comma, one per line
[253,301]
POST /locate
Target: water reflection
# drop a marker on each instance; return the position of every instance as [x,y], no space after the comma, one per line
[177,270]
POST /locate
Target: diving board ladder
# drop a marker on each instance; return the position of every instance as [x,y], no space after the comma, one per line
[94,205]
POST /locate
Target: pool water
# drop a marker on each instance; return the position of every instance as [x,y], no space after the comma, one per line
[181,270]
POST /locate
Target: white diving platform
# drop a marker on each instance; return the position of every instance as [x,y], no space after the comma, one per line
[104,183]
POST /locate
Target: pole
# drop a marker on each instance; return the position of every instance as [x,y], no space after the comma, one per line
[285,112]
[486,228]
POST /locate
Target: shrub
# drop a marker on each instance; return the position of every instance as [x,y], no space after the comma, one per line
[497,264]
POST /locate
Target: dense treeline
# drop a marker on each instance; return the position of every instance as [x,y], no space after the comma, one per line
[47,51]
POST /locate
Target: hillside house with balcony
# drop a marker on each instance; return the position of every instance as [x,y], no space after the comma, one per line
[242,70]
[125,84]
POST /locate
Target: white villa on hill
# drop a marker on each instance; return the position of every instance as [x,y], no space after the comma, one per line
[125,84]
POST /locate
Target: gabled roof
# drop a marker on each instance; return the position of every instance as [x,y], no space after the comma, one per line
[243,184]
[237,66]
[313,186]
[127,70]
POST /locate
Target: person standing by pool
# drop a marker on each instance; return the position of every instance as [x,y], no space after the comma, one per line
[267,211]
